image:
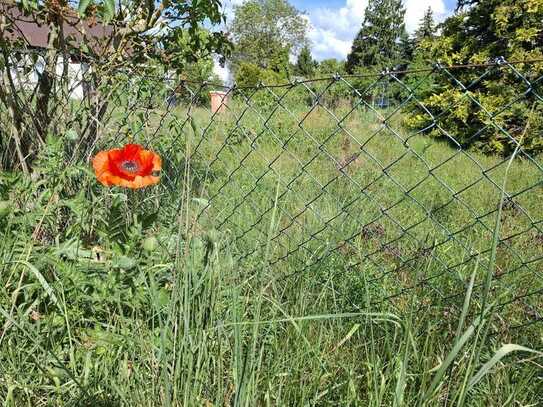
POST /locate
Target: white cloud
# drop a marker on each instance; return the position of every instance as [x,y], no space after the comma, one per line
[333,30]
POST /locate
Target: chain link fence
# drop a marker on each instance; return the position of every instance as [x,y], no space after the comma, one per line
[393,180]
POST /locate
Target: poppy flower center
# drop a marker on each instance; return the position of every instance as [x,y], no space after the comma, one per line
[130,166]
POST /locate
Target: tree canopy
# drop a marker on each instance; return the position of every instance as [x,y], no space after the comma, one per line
[266,33]
[305,65]
[133,34]
[485,31]
[427,27]
[380,41]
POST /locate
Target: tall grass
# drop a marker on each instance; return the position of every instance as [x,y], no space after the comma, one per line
[115,298]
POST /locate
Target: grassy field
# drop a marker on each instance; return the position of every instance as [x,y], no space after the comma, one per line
[287,258]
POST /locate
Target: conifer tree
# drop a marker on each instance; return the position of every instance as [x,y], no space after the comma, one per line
[379,41]
[483,31]
[305,65]
[427,27]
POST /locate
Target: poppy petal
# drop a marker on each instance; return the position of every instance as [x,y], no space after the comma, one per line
[157,162]
[113,167]
[131,151]
[150,162]
[100,163]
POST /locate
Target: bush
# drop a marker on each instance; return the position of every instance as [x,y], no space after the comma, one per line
[249,76]
[491,113]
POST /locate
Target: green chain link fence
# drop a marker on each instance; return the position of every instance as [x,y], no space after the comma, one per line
[393,179]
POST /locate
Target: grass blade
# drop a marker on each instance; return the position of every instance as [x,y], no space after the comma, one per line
[499,355]
[450,358]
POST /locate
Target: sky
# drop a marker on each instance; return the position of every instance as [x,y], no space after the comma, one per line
[335,23]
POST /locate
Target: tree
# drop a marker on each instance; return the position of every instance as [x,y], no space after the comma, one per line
[427,27]
[331,66]
[305,65]
[135,34]
[407,48]
[423,42]
[482,31]
[266,32]
[378,43]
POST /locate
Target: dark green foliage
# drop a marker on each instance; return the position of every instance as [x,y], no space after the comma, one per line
[427,27]
[339,92]
[331,67]
[184,49]
[305,65]
[197,73]
[155,35]
[250,75]
[378,44]
[481,33]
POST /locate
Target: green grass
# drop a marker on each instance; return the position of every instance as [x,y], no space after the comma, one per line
[257,273]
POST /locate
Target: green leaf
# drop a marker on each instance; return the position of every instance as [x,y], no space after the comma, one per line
[347,337]
[73,250]
[84,48]
[72,135]
[39,276]
[500,354]
[83,4]
[148,220]
[201,201]
[194,127]
[150,244]
[450,358]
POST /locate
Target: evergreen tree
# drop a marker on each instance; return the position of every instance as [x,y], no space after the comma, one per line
[424,50]
[407,48]
[305,64]
[427,27]
[379,41]
[482,31]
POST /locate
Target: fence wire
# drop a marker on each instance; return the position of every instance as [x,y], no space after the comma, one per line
[393,179]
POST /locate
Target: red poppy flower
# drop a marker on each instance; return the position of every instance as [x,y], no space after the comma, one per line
[129,167]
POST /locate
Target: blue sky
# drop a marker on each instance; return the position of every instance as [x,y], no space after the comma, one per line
[335,23]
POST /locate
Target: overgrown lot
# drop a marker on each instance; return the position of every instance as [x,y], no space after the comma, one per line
[288,257]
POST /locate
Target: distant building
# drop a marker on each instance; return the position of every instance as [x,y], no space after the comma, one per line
[30,39]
